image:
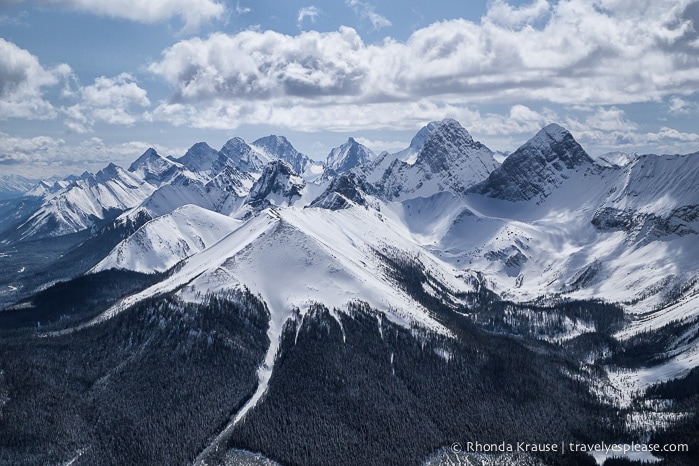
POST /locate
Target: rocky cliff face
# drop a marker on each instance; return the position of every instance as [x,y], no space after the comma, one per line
[538,167]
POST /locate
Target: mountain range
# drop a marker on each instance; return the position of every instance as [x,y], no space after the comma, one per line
[338,312]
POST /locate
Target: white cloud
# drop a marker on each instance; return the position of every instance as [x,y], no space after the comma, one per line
[110,100]
[367,12]
[309,12]
[599,53]
[671,134]
[22,79]
[501,12]
[679,106]
[194,13]
[27,150]
[254,66]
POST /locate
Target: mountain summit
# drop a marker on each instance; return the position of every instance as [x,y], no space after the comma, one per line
[537,167]
[448,159]
[153,167]
[349,155]
[278,147]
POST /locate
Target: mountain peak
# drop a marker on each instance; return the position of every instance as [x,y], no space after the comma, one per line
[537,167]
[409,154]
[421,136]
[343,192]
[153,167]
[242,155]
[450,125]
[279,147]
[199,157]
[554,143]
[447,142]
[109,172]
[555,131]
[349,155]
[148,156]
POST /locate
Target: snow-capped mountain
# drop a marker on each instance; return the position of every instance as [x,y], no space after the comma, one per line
[244,157]
[294,257]
[349,155]
[538,167]
[448,159]
[345,191]
[12,186]
[154,168]
[278,147]
[83,202]
[44,187]
[201,158]
[436,258]
[183,189]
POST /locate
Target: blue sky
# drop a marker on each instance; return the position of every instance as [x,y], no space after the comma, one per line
[85,82]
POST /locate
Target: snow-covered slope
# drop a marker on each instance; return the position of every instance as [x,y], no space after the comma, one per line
[655,196]
[616,159]
[294,257]
[219,194]
[15,186]
[83,202]
[410,153]
[163,242]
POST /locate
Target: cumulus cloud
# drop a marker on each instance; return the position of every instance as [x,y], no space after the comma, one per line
[26,150]
[22,79]
[193,12]
[255,65]
[672,134]
[309,12]
[501,12]
[110,100]
[574,52]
